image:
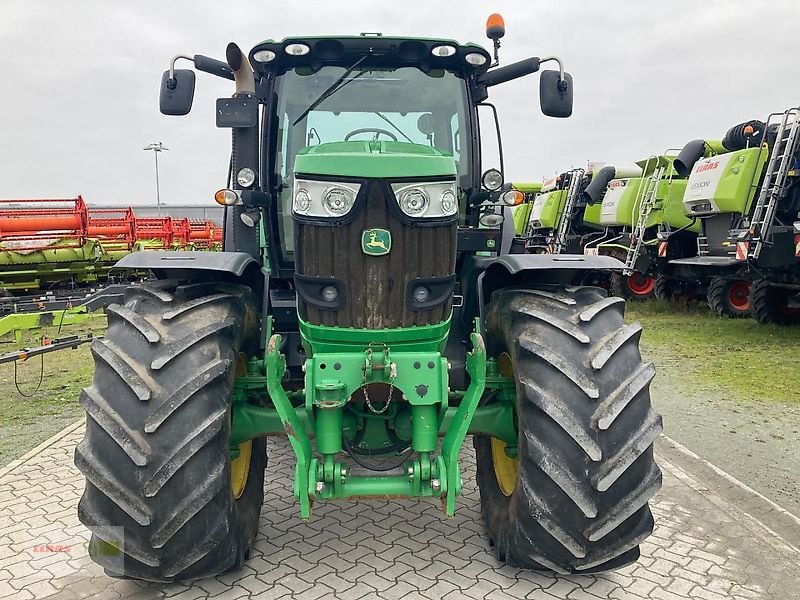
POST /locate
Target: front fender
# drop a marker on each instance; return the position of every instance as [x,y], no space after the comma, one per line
[517,263]
[232,266]
[483,276]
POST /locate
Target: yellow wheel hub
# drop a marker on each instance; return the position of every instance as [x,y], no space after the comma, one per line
[505,467]
[240,467]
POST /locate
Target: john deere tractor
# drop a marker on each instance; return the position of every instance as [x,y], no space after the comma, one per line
[362,309]
[745,192]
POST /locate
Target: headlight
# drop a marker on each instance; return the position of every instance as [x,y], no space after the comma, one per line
[436,199]
[246,177]
[324,199]
[302,201]
[449,203]
[338,201]
[297,49]
[492,179]
[413,201]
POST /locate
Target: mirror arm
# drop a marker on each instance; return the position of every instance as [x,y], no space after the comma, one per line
[202,63]
[509,72]
[560,67]
[172,64]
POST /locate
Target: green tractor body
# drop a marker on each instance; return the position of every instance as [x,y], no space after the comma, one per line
[365,308]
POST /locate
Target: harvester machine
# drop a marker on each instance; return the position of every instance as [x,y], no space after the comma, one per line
[745,191]
[362,309]
[642,211]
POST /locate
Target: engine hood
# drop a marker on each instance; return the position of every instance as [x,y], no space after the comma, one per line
[374,159]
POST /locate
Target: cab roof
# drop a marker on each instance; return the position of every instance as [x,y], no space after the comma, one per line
[426,53]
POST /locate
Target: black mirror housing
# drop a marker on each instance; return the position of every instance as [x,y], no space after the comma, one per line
[555,94]
[177,94]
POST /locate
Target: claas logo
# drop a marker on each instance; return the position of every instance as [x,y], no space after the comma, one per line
[617,183]
[707,166]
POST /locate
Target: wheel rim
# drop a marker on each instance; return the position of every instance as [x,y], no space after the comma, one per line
[505,467]
[641,285]
[240,467]
[739,296]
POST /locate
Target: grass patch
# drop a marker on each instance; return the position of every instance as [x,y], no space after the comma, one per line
[26,422]
[738,357]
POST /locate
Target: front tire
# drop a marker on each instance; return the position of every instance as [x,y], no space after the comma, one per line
[156,452]
[585,470]
[770,304]
[729,297]
[636,286]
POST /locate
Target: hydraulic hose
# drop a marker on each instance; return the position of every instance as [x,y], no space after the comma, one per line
[744,135]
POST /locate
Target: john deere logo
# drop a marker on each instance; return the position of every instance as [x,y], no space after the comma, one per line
[376,242]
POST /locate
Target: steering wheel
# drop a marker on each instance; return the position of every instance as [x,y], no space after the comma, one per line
[377,130]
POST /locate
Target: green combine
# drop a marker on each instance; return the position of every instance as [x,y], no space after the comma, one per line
[362,310]
[522,212]
[642,211]
[745,192]
[558,221]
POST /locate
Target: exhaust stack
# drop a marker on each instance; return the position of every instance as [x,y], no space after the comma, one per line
[242,73]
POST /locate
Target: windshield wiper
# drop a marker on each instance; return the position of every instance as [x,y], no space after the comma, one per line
[332,89]
[396,128]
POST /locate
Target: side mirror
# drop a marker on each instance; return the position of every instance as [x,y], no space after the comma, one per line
[176,94]
[555,95]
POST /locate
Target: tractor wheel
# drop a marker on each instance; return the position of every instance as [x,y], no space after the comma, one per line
[664,288]
[771,304]
[574,499]
[634,287]
[160,479]
[729,297]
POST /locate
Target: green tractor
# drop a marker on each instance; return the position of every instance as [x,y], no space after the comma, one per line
[745,191]
[362,309]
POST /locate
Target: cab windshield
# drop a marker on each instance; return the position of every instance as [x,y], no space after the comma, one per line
[368,103]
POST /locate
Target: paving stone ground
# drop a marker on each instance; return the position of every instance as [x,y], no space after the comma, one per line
[713,540]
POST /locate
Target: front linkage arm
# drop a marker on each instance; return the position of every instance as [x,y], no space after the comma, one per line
[315,478]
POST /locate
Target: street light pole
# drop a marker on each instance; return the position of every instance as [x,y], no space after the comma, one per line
[157,147]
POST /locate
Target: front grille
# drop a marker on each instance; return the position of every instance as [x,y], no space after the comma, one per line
[375,286]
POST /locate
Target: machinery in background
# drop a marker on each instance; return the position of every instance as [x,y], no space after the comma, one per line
[745,191]
[61,243]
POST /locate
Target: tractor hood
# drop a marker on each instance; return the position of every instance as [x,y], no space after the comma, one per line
[374,159]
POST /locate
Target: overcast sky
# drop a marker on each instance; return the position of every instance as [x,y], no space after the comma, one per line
[80,91]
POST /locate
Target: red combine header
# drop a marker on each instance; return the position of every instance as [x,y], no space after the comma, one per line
[49,242]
